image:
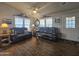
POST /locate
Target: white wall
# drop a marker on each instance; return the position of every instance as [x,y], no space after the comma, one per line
[69,34]
[7,11]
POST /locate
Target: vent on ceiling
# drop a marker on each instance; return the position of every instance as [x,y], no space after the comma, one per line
[63,3]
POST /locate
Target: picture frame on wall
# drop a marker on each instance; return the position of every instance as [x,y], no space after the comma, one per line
[8,21]
[57,20]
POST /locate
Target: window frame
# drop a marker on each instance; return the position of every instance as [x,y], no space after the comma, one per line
[23,22]
[47,20]
[19,23]
[44,22]
[67,27]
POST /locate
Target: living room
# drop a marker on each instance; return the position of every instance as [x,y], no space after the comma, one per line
[39,28]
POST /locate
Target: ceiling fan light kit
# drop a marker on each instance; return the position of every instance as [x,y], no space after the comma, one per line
[34,11]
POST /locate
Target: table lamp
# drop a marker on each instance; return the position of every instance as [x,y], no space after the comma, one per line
[4,25]
[4,28]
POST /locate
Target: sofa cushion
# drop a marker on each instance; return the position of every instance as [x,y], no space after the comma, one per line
[19,30]
[48,32]
[16,38]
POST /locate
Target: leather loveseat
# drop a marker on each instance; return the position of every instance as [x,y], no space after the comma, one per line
[50,33]
[20,34]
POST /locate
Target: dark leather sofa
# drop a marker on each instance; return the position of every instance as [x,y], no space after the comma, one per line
[20,34]
[50,33]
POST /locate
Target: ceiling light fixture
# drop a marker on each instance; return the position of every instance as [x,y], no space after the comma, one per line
[34,11]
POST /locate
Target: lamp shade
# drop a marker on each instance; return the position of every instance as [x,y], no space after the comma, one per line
[4,25]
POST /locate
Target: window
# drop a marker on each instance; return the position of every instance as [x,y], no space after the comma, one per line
[70,22]
[49,22]
[27,23]
[21,22]
[42,23]
[18,22]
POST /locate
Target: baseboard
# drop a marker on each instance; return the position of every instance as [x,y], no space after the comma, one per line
[69,41]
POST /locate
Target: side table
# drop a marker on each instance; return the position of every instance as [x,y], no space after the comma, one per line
[3,38]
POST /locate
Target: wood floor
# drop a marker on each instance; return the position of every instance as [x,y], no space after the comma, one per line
[42,47]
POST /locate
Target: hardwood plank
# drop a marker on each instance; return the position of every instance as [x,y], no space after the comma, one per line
[41,47]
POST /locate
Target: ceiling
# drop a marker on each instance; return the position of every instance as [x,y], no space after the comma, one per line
[44,8]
